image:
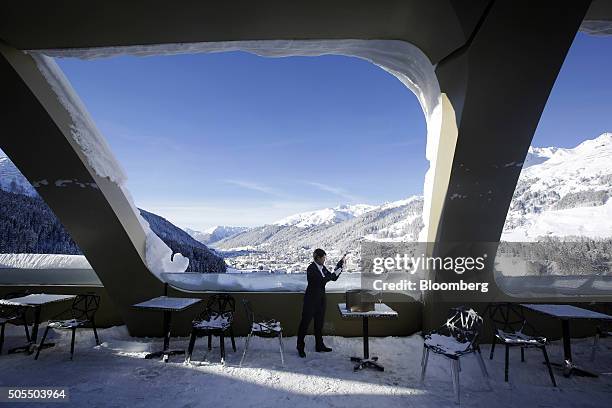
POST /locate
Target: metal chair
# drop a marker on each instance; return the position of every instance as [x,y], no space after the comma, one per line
[261,327]
[82,312]
[215,320]
[603,329]
[15,315]
[457,337]
[511,329]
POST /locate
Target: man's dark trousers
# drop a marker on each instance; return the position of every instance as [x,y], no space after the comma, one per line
[314,307]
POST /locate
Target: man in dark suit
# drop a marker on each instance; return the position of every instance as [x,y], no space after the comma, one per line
[314,301]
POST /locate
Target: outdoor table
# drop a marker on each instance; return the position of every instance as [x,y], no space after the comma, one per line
[381,311]
[167,305]
[566,313]
[36,301]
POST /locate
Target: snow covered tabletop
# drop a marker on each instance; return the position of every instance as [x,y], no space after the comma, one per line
[381,311]
[567,311]
[35,299]
[168,303]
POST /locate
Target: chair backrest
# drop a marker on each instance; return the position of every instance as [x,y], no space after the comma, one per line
[249,311]
[84,307]
[221,303]
[464,324]
[506,316]
[12,311]
[217,305]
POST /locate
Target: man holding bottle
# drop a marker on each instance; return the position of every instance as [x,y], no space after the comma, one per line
[314,300]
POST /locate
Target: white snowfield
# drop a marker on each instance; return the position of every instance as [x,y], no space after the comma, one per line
[116,374]
[592,222]
[586,168]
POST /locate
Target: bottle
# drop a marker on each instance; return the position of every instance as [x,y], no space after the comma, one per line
[340,263]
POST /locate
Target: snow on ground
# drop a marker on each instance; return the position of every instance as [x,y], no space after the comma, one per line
[116,375]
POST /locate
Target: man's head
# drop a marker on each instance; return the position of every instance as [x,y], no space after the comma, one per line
[319,256]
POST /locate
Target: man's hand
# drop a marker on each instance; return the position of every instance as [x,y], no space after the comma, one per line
[340,263]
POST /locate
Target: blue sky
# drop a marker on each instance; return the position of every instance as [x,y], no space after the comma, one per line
[236,139]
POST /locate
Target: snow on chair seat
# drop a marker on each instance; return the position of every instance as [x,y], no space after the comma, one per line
[269,326]
[456,338]
[511,329]
[262,327]
[215,321]
[446,345]
[67,324]
[520,338]
[82,314]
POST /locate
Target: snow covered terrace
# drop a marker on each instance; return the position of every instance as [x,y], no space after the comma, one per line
[115,374]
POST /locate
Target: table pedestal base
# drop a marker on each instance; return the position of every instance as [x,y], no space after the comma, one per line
[570,369]
[367,363]
[165,354]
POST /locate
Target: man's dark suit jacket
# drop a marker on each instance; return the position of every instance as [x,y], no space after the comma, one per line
[316,282]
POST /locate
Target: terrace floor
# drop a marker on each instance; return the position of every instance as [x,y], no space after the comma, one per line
[115,374]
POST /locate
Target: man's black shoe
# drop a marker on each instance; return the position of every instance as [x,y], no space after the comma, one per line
[301,352]
[323,349]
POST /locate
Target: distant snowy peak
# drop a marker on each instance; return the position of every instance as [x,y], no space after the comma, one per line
[12,180]
[400,203]
[589,159]
[538,155]
[216,233]
[326,216]
[603,141]
[599,145]
[225,230]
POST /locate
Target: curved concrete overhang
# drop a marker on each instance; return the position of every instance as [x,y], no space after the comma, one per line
[437,27]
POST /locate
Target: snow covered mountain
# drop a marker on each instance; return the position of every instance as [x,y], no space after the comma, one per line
[214,234]
[564,192]
[538,155]
[340,228]
[561,192]
[12,180]
[326,216]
